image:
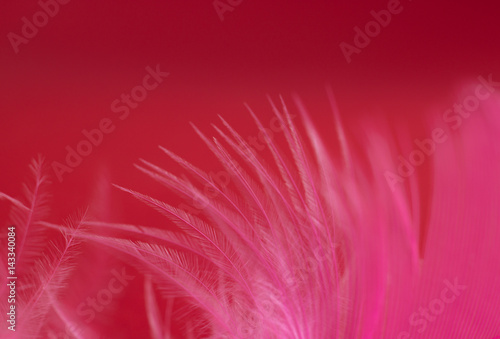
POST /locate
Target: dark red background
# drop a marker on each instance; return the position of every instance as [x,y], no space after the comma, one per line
[66,77]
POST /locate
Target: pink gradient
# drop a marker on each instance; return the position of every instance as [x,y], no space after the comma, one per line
[407,239]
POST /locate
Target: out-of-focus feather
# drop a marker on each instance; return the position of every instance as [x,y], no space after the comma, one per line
[49,278]
[42,269]
[152,310]
[25,214]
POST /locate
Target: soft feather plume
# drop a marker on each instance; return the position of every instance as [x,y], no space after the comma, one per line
[312,247]
[302,242]
[288,251]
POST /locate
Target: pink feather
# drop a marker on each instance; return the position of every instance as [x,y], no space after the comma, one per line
[303,242]
[321,248]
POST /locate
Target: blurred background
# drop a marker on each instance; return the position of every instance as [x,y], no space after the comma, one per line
[219,55]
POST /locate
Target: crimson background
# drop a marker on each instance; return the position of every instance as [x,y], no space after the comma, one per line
[66,77]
